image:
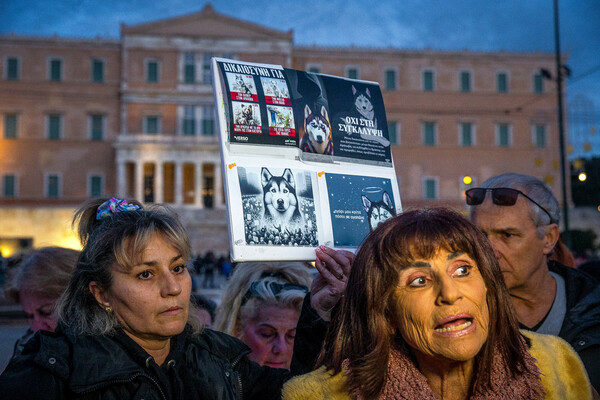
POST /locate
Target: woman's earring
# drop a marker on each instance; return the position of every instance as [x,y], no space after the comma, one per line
[108,309]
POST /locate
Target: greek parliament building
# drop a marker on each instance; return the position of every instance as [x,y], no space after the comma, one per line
[135,117]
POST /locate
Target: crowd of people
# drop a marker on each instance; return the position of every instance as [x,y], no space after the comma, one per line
[434,305]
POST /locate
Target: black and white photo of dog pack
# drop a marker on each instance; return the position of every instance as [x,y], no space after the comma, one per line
[278,206]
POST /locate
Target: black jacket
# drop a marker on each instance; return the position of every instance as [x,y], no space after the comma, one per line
[581,326]
[211,365]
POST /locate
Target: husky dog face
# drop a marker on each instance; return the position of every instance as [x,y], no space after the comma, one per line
[279,196]
[378,211]
[362,102]
[317,125]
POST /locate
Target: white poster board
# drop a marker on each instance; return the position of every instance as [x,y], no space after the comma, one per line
[306,160]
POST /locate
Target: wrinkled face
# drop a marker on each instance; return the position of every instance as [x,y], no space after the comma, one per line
[440,308]
[39,310]
[270,335]
[513,235]
[151,300]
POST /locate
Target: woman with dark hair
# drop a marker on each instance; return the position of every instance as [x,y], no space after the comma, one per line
[426,315]
[125,329]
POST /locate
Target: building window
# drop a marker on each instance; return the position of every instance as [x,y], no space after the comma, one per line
[502,82]
[314,68]
[189,68]
[97,71]
[465,81]
[538,83]
[428,81]
[9,185]
[151,124]
[539,136]
[503,135]
[394,132]
[55,70]
[53,186]
[430,188]
[466,138]
[96,127]
[391,80]
[152,71]
[208,120]
[54,127]
[12,69]
[352,73]
[95,186]
[206,77]
[11,126]
[429,134]
[189,120]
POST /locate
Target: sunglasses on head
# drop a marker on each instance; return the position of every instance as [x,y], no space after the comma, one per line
[275,287]
[500,197]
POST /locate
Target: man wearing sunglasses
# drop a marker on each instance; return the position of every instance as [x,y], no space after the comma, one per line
[520,216]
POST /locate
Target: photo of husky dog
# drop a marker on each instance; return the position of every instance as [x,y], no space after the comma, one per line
[317,132]
[378,211]
[363,105]
[279,198]
[363,109]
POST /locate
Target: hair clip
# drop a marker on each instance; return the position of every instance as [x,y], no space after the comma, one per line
[113,206]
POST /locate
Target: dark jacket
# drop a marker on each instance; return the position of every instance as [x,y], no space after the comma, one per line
[211,365]
[581,326]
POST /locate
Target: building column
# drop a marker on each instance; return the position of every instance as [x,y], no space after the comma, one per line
[158,183]
[198,199]
[121,180]
[139,181]
[178,183]
[218,190]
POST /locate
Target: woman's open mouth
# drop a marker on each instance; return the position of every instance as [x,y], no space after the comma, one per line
[455,325]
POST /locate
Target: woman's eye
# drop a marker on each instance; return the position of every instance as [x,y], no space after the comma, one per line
[418,282]
[266,335]
[463,270]
[179,268]
[145,275]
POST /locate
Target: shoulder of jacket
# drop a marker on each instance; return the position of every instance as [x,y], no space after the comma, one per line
[221,344]
[318,384]
[563,374]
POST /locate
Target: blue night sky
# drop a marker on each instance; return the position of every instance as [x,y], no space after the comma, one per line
[511,25]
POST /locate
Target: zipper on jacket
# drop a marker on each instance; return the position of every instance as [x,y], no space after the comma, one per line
[235,362]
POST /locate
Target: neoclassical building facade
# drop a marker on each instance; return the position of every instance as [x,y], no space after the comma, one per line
[135,117]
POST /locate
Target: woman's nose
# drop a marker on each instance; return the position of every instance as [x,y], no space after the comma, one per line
[449,292]
[171,286]
[280,344]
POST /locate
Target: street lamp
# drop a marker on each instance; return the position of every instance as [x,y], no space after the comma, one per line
[561,72]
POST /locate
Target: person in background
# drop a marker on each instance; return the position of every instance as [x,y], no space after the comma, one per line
[426,315]
[261,306]
[520,216]
[562,255]
[37,283]
[205,309]
[125,329]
